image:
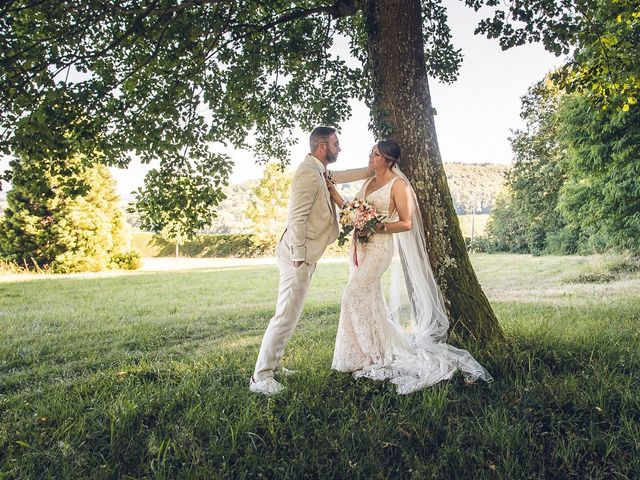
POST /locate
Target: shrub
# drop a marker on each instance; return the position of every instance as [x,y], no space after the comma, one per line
[126,260]
[234,245]
[563,242]
[482,244]
[594,278]
[621,264]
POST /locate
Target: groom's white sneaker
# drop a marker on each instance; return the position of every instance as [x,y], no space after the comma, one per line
[267,387]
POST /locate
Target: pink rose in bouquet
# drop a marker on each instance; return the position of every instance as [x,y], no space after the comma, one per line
[361,217]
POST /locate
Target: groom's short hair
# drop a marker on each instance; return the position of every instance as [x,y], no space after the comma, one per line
[319,135]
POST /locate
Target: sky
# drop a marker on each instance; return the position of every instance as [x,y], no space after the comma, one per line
[474,115]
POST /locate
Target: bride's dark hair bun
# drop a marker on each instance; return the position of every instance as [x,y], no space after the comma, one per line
[390,150]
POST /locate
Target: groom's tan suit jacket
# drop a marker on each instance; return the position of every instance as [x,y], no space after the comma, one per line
[312,221]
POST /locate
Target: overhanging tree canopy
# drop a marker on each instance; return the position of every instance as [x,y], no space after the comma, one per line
[161,79]
[601,38]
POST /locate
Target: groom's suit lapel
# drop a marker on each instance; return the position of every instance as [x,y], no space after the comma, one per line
[318,168]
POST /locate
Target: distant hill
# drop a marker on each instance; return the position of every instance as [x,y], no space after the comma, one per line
[231,211]
[474,183]
[469,183]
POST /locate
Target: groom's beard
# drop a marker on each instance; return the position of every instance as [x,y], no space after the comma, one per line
[331,158]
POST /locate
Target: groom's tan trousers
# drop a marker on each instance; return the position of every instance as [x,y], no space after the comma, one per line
[292,293]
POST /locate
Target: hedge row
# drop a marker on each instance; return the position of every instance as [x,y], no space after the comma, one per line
[236,245]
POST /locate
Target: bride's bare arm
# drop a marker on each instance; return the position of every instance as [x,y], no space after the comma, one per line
[352,175]
[335,196]
[401,196]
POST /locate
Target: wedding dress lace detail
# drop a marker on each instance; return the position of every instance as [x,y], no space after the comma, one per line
[369,343]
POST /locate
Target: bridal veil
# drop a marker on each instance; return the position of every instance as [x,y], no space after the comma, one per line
[417,318]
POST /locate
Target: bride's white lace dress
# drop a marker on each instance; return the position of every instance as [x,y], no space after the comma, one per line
[369,342]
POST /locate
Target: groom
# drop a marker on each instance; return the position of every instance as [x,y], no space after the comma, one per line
[311,226]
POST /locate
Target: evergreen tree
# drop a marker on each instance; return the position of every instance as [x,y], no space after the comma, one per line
[26,235]
[601,195]
[67,224]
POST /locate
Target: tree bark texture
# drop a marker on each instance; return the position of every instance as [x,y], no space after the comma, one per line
[402,110]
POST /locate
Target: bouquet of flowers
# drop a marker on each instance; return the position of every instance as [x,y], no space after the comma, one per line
[360,216]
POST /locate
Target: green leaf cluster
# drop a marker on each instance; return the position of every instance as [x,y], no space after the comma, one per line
[601,37]
[181,196]
[574,185]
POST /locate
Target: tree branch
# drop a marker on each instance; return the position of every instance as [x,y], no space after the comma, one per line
[8,9]
[149,59]
[341,8]
[164,11]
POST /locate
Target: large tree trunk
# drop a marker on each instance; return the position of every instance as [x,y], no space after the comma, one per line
[402,107]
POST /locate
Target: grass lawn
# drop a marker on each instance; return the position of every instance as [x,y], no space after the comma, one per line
[145,375]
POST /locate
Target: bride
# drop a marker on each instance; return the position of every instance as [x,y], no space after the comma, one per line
[396,340]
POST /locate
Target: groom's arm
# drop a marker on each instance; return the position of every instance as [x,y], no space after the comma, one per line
[352,175]
[303,193]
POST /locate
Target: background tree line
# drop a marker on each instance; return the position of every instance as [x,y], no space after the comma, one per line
[256,207]
[574,186]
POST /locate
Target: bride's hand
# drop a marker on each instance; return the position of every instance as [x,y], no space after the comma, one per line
[335,196]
